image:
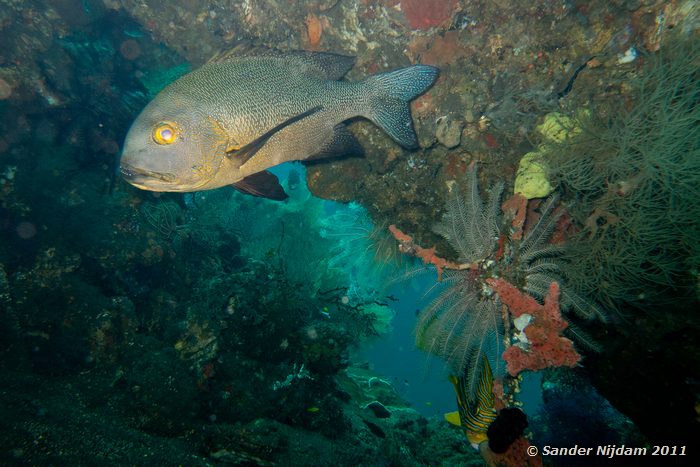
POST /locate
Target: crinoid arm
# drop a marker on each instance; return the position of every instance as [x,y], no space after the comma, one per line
[469,226]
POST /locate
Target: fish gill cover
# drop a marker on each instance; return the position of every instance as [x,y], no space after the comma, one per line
[215,327]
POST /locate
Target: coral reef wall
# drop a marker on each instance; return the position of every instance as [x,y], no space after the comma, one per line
[501,63]
[103,286]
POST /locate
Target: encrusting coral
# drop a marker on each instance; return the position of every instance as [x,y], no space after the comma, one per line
[541,344]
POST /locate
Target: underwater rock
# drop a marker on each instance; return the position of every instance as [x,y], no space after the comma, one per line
[366,387]
[572,411]
[425,14]
[375,429]
[198,343]
[5,90]
[448,132]
[158,389]
[4,287]
[74,421]
[379,410]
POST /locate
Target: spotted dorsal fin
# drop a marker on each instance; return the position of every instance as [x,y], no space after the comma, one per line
[327,65]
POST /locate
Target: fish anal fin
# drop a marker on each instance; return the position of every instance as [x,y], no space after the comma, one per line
[340,143]
[453,418]
[262,184]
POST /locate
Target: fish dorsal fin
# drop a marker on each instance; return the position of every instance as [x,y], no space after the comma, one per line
[332,66]
[240,50]
[328,65]
[341,143]
[262,184]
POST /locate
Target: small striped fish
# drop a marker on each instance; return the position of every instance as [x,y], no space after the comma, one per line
[475,412]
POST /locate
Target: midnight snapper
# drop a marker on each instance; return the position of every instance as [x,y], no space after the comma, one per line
[230,120]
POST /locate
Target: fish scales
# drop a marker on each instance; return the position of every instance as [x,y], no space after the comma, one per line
[230,120]
[275,94]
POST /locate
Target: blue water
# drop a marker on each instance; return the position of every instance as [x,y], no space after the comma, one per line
[419,377]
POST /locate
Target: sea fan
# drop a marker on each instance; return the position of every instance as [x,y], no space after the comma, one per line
[362,249]
[360,239]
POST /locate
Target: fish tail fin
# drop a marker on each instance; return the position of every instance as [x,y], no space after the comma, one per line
[390,96]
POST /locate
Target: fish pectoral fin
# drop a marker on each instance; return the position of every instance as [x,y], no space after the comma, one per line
[340,143]
[232,147]
[245,153]
[262,184]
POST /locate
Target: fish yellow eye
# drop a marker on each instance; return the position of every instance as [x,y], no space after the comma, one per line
[165,133]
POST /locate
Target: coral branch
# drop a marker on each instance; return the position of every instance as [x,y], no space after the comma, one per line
[427,255]
[543,345]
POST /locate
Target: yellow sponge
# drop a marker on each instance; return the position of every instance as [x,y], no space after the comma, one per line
[531,179]
[557,127]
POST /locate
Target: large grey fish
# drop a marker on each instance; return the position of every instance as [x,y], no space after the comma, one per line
[230,120]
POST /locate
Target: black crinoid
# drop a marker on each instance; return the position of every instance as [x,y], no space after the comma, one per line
[464,322]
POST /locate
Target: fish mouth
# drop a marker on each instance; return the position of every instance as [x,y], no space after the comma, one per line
[137,176]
